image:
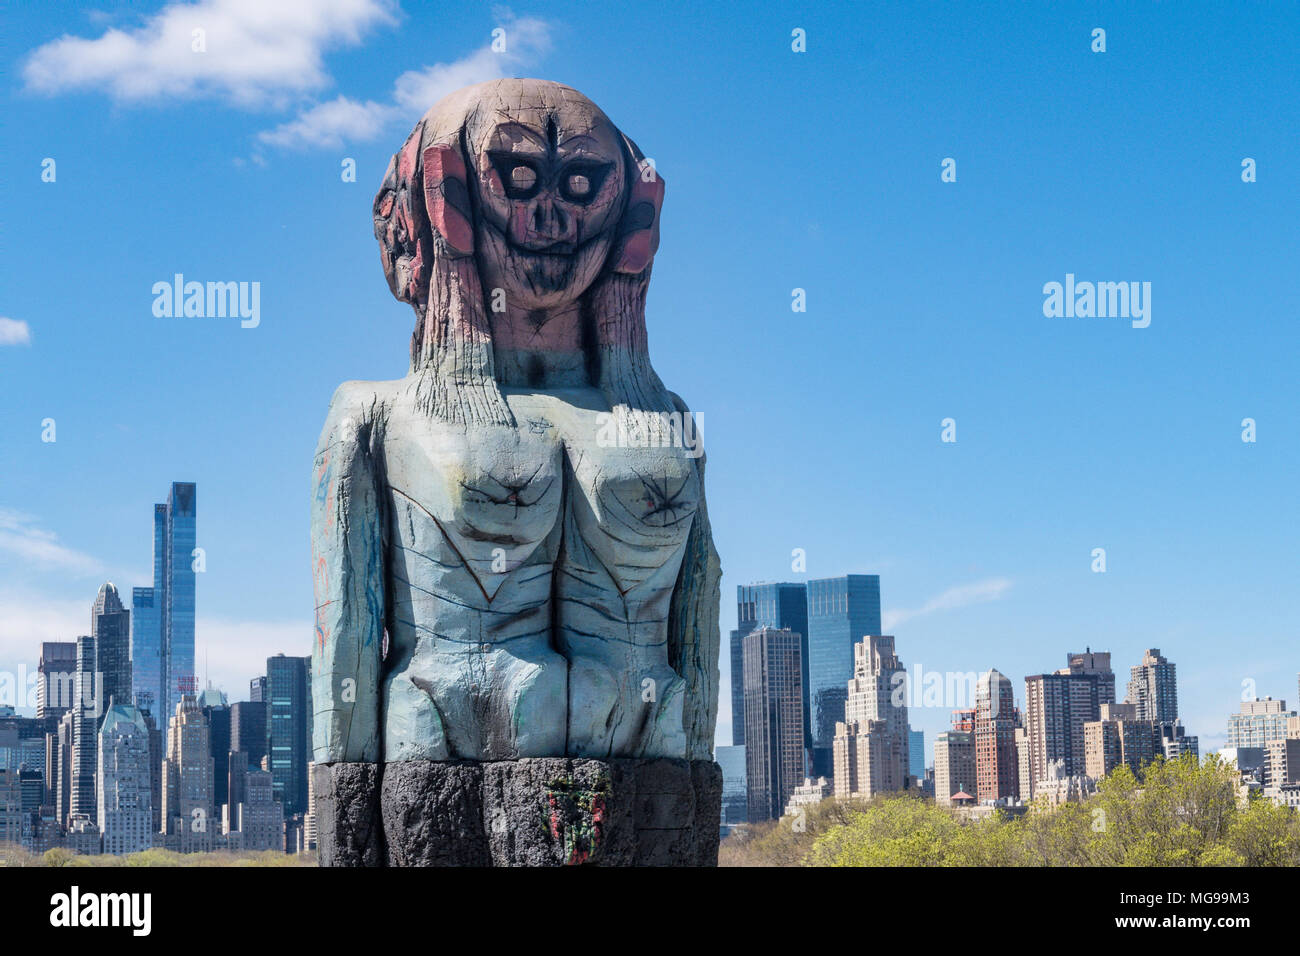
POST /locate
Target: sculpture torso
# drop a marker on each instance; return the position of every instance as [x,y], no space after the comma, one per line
[543,587]
[529,573]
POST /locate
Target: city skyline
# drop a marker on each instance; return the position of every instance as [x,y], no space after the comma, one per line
[1071,732]
[1072,434]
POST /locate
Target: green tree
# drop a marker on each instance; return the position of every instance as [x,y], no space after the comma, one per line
[1265,834]
[1179,813]
[57,856]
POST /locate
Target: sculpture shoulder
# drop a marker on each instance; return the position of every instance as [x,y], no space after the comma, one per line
[691,429]
[357,415]
[678,402]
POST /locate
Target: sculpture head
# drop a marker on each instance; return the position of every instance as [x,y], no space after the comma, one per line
[520,187]
[549,175]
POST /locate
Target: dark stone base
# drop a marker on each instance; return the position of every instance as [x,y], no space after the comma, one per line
[539,811]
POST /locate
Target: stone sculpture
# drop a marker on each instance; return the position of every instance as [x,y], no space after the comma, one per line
[516,644]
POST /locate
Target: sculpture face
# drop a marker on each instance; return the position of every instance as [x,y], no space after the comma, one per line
[550,183]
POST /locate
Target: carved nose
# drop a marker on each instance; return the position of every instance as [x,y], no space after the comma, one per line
[550,222]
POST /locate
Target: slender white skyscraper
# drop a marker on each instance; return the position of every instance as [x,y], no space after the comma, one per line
[871,745]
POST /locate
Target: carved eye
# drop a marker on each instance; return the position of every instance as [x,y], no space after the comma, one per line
[519,177]
[523,178]
[581,180]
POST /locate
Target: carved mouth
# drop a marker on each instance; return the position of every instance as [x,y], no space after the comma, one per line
[558,248]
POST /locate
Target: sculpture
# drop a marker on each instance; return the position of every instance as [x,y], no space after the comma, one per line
[511,553]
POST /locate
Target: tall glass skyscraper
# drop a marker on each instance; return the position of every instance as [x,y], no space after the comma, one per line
[774,751]
[162,640]
[146,650]
[765,605]
[177,585]
[288,727]
[841,612]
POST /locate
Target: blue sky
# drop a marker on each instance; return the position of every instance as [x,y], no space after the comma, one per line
[817,170]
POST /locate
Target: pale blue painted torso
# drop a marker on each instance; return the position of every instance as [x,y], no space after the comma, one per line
[527,576]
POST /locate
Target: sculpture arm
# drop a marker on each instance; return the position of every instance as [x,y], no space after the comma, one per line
[348,534]
[693,637]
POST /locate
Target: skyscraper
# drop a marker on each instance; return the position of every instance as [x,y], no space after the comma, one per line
[1056,708]
[288,729]
[1096,663]
[56,677]
[86,713]
[248,730]
[61,753]
[147,650]
[841,612]
[188,812]
[1024,774]
[162,638]
[870,748]
[110,625]
[124,790]
[175,530]
[997,770]
[773,669]
[157,754]
[765,605]
[1153,688]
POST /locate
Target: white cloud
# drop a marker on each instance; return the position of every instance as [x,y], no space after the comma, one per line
[33,545]
[328,125]
[260,53]
[29,619]
[990,589]
[14,332]
[256,52]
[26,621]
